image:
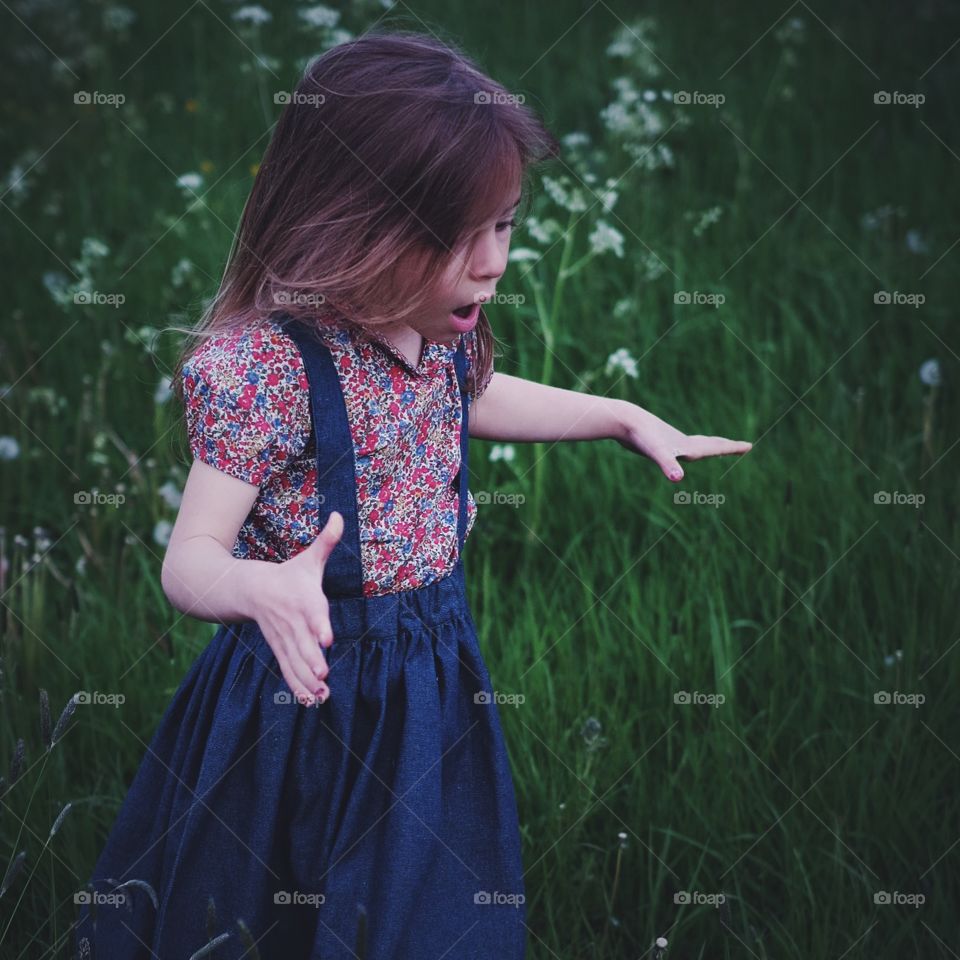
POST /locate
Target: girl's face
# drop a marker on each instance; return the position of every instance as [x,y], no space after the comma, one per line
[470,279]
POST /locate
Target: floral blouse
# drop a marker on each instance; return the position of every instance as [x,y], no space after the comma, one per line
[248,415]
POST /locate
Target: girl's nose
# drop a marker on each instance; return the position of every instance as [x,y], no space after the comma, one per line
[489,257]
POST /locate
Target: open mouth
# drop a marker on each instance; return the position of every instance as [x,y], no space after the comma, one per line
[465,317]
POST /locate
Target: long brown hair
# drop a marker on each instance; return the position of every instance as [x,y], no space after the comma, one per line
[394,150]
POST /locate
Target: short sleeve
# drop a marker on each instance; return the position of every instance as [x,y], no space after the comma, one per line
[247,402]
[470,342]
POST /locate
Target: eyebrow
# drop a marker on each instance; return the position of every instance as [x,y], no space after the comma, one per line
[514,205]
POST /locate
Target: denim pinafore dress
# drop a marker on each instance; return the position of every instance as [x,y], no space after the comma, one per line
[381,824]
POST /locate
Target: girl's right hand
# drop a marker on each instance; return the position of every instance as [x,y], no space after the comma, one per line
[294,615]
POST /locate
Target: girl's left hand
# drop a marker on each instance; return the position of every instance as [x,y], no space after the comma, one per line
[647,434]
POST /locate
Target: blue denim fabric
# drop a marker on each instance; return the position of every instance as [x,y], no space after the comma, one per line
[394,799]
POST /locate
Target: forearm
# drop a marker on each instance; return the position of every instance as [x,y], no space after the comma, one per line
[203,579]
[514,409]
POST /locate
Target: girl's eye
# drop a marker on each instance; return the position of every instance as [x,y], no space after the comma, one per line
[506,223]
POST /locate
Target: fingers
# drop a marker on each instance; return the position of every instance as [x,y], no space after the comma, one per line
[696,448]
[298,664]
[297,648]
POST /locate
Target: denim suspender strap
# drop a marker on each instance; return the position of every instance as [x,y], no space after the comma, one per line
[336,469]
[460,362]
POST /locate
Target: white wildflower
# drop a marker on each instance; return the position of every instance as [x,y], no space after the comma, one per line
[181,270]
[162,393]
[604,238]
[320,16]
[118,18]
[706,219]
[58,286]
[570,198]
[91,247]
[875,218]
[523,253]
[162,531]
[621,360]
[793,30]
[608,196]
[502,452]
[9,448]
[16,183]
[915,242]
[575,139]
[543,231]
[930,373]
[171,494]
[254,14]
[652,265]
[189,182]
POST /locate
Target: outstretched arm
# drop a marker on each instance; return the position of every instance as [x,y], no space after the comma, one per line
[514,409]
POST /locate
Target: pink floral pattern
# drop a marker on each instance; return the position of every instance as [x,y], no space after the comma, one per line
[248,415]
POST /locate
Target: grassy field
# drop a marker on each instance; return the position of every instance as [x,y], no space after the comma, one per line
[732,697]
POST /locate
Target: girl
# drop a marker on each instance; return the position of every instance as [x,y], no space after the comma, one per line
[330,778]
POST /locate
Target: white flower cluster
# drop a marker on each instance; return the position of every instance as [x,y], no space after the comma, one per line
[604,238]
[706,219]
[930,373]
[634,42]
[564,194]
[637,124]
[320,16]
[58,285]
[877,218]
[621,360]
[252,14]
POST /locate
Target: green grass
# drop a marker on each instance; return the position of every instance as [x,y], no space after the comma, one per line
[598,598]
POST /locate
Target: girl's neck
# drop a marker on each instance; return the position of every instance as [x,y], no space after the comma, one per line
[407,341]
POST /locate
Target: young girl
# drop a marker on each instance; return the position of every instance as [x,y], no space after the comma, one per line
[330,778]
